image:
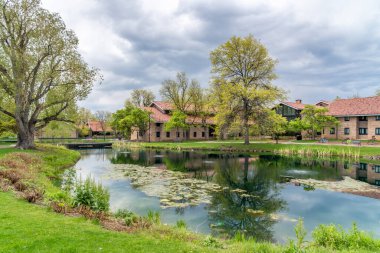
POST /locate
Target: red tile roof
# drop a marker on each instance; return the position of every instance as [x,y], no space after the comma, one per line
[96,126]
[295,105]
[160,117]
[164,105]
[355,106]
[157,115]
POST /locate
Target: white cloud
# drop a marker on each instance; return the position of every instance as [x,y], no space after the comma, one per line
[331,46]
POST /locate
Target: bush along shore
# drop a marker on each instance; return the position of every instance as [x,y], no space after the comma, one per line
[302,149]
[89,226]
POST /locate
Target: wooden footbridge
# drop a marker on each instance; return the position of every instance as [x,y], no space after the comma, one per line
[88,145]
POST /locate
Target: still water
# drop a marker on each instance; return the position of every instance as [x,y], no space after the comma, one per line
[246,183]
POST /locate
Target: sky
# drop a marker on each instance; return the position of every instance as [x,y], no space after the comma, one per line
[325,48]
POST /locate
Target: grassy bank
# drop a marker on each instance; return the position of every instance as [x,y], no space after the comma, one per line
[26,227]
[319,150]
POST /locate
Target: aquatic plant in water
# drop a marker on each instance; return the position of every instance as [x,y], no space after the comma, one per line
[175,189]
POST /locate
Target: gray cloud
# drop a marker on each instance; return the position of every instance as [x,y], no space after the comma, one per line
[324,49]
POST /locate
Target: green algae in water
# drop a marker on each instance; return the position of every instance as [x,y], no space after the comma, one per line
[175,189]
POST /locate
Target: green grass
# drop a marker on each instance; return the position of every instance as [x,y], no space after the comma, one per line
[363,151]
[4,151]
[31,228]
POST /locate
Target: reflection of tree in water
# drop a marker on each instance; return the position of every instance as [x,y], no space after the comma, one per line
[230,210]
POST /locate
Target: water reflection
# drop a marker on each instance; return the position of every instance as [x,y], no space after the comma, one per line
[252,199]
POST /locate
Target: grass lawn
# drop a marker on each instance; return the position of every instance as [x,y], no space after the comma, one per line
[363,151]
[31,228]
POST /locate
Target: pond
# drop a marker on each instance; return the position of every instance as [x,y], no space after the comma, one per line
[222,194]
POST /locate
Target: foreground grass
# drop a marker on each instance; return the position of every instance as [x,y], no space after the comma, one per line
[329,150]
[26,227]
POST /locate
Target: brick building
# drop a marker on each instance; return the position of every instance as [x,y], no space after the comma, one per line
[359,119]
[199,129]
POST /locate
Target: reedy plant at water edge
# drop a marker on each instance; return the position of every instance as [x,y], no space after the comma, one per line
[91,194]
[320,152]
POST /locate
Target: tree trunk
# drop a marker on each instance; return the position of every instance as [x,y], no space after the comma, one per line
[246,124]
[25,136]
[246,132]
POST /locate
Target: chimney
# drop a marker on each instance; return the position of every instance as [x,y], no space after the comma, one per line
[298,101]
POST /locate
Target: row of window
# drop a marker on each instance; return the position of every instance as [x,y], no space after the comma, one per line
[362,118]
[362,131]
[364,166]
[158,134]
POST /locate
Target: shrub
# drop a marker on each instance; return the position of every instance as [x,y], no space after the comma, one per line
[129,217]
[181,224]
[91,194]
[212,242]
[154,217]
[239,236]
[331,236]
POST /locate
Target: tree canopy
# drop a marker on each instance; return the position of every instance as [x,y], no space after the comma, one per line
[313,120]
[181,92]
[124,120]
[42,74]
[243,73]
[176,121]
[141,97]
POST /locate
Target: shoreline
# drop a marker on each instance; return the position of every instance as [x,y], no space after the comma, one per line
[347,185]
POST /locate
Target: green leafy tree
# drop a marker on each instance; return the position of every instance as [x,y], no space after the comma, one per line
[243,73]
[7,126]
[273,124]
[42,74]
[177,121]
[313,120]
[124,121]
[141,97]
[378,92]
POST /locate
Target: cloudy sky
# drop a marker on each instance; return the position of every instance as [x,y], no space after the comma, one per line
[325,48]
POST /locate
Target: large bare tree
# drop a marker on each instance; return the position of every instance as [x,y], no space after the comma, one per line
[180,92]
[141,97]
[42,75]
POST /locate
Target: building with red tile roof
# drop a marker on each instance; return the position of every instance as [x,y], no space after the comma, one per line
[96,128]
[160,113]
[359,118]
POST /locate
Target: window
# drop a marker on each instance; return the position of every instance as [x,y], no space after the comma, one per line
[167,134]
[195,134]
[332,130]
[363,166]
[377,182]
[346,118]
[140,134]
[377,131]
[158,124]
[178,135]
[288,111]
[158,134]
[203,134]
[378,117]
[363,131]
[364,179]
[346,131]
[376,168]
[363,118]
